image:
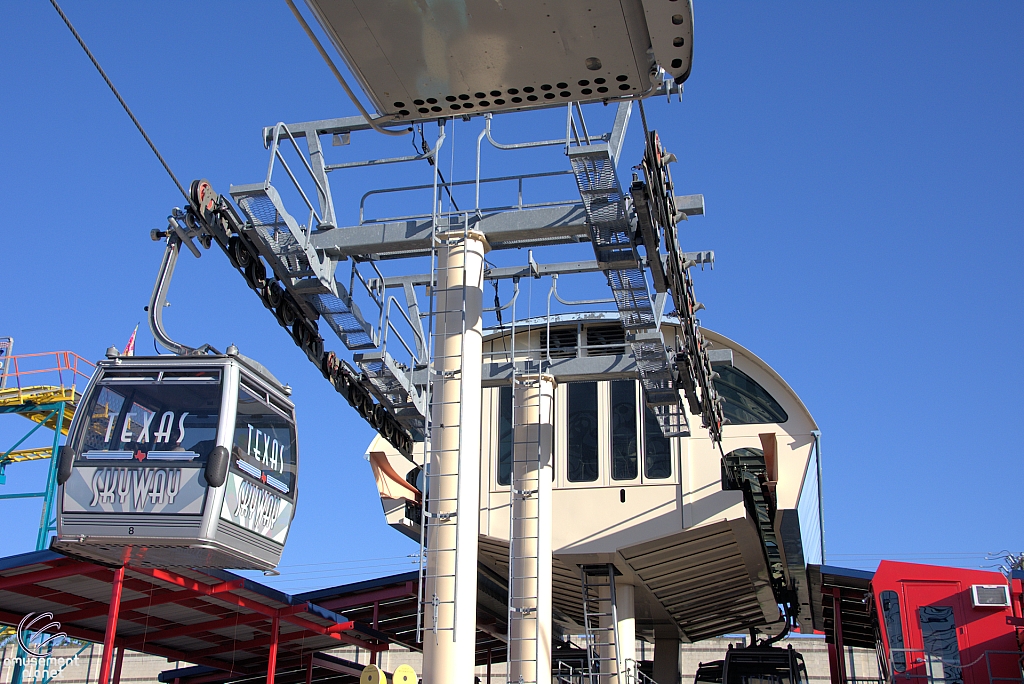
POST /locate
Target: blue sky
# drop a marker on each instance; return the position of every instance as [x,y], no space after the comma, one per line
[863,168]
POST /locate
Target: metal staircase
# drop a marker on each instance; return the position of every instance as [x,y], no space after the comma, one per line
[600,620]
[309,277]
[391,382]
[612,236]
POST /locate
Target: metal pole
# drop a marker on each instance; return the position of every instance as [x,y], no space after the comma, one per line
[51,482]
[111,634]
[449,635]
[118,662]
[309,670]
[838,618]
[275,625]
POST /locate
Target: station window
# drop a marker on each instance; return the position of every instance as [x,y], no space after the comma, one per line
[894,629]
[657,449]
[581,432]
[746,402]
[505,435]
[624,456]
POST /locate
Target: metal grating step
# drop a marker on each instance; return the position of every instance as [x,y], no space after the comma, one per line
[657,375]
[275,228]
[344,319]
[390,383]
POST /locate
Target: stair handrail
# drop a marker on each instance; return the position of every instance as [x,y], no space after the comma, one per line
[375,288]
[633,673]
[275,154]
[389,326]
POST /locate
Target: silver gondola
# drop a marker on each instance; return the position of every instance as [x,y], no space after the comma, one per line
[179,461]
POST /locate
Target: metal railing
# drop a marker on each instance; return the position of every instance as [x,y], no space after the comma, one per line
[452,184]
[634,675]
[24,374]
[933,666]
[275,155]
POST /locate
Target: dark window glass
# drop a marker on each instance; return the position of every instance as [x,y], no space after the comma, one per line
[938,631]
[624,466]
[265,442]
[504,435]
[657,449]
[150,417]
[746,402]
[581,437]
[894,629]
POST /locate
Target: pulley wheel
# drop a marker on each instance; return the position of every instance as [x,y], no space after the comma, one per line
[404,674]
[389,430]
[300,333]
[366,407]
[241,253]
[380,417]
[316,346]
[274,295]
[202,194]
[286,313]
[256,274]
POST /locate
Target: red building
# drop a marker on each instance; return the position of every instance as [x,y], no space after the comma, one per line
[927,623]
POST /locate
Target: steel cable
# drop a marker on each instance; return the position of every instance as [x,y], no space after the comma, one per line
[124,104]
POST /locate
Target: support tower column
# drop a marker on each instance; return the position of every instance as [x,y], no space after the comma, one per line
[529,644]
[453,464]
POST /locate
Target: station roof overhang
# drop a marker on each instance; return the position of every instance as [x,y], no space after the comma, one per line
[222,622]
[845,594]
[213,618]
[418,61]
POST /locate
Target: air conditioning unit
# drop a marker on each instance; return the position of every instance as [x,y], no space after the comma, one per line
[990,595]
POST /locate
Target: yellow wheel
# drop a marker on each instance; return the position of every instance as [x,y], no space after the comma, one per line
[404,674]
[373,675]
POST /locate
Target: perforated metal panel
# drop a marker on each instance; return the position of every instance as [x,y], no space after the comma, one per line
[419,60]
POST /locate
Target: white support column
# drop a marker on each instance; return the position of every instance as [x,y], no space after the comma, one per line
[530,563]
[450,588]
[626,633]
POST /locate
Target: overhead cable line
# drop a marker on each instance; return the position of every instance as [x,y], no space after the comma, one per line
[124,104]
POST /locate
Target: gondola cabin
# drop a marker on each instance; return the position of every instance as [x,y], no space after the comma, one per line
[179,461]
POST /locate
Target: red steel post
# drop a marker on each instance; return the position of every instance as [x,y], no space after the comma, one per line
[118,662]
[111,633]
[275,625]
[840,648]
